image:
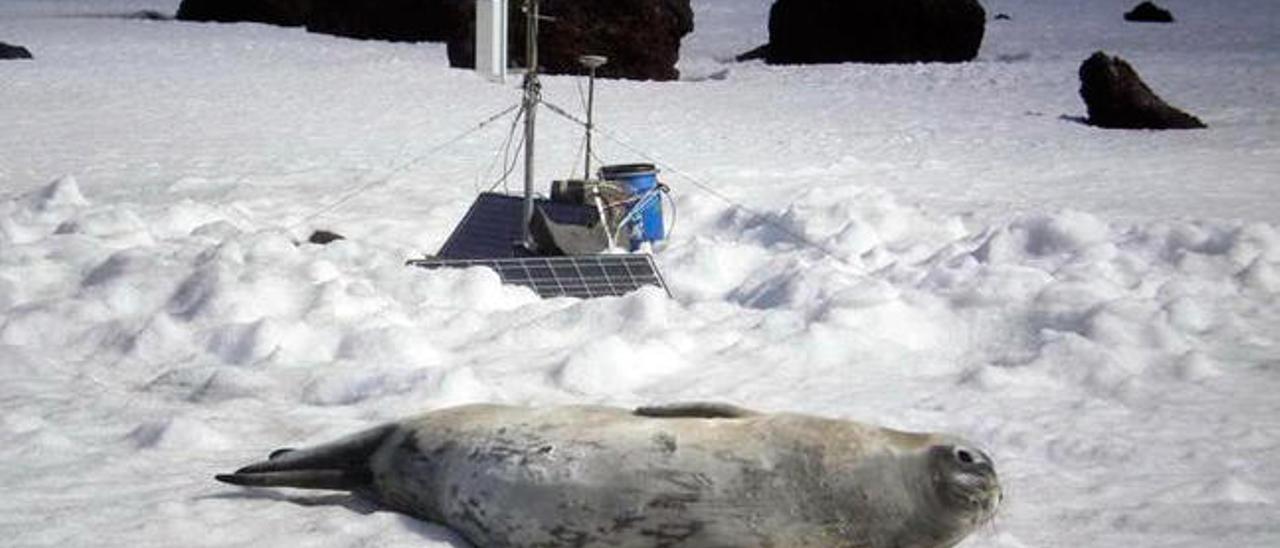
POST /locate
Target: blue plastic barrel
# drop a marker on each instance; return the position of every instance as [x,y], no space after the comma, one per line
[640,180]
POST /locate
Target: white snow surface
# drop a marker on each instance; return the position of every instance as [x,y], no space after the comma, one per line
[1099,309]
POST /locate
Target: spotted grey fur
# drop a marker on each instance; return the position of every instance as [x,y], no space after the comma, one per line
[688,475]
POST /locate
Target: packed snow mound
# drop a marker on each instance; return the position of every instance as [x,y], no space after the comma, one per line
[1095,304]
[63,192]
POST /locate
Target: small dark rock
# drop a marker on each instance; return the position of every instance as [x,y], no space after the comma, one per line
[149,15]
[10,51]
[761,52]
[324,237]
[875,31]
[1013,57]
[1148,12]
[641,38]
[1003,17]
[140,15]
[1116,97]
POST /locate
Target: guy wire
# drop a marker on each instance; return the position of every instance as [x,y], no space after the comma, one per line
[402,168]
[705,187]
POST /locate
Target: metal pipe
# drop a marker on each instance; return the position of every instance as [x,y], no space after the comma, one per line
[532,96]
[591,102]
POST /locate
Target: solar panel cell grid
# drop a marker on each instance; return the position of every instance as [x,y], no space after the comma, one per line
[577,276]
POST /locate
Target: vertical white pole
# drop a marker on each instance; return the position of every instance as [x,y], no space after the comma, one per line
[491,39]
[532,96]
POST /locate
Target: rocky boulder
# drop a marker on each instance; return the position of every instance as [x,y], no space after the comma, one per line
[395,20]
[641,38]
[290,13]
[1148,12]
[874,31]
[10,51]
[1118,98]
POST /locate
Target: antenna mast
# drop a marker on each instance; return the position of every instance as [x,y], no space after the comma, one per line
[532,96]
[592,62]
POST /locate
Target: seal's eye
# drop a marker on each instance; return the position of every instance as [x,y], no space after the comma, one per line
[964,456]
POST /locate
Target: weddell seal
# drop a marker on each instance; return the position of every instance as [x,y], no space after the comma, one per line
[687,475]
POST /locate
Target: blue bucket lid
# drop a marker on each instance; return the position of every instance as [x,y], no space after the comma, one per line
[625,170]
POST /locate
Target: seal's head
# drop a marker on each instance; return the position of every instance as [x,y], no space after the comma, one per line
[964,482]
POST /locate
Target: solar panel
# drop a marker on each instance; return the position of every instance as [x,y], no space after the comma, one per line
[491,228]
[489,235]
[582,276]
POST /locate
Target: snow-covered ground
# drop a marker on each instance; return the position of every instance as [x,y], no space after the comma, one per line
[1100,309]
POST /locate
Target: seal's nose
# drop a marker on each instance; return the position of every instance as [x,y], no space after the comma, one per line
[989,493]
[995,497]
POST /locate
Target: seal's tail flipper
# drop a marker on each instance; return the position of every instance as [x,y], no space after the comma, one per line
[338,480]
[340,465]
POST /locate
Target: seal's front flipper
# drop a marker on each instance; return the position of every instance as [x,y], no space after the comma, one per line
[340,465]
[695,410]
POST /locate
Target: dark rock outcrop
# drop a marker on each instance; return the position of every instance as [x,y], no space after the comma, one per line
[10,51]
[289,13]
[395,20]
[324,237]
[641,38]
[874,31]
[1148,12]
[1117,98]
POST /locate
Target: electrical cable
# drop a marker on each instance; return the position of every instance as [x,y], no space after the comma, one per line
[402,168]
[671,228]
[500,155]
[573,165]
[509,161]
